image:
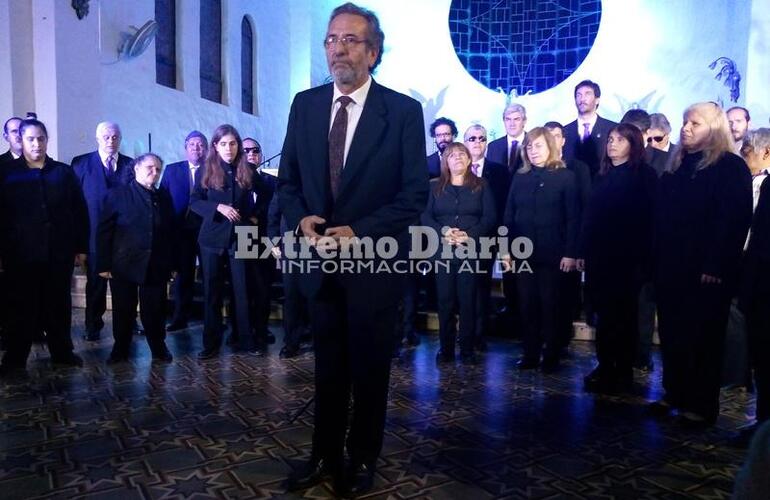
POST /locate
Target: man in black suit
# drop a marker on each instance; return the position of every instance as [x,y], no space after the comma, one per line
[179,180]
[12,137]
[363,176]
[505,150]
[98,172]
[499,181]
[43,231]
[444,132]
[134,245]
[586,137]
[659,138]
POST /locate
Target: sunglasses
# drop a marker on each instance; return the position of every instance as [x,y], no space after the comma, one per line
[252,150]
[475,138]
[657,138]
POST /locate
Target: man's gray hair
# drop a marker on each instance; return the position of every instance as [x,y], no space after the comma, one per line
[659,121]
[375,38]
[758,139]
[515,108]
[474,127]
[106,126]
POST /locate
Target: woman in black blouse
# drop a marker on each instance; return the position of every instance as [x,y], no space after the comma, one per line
[461,208]
[225,199]
[616,243]
[702,216]
[542,206]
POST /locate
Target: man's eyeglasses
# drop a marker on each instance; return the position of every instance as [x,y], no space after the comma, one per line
[252,150]
[333,40]
[445,134]
[657,138]
[474,138]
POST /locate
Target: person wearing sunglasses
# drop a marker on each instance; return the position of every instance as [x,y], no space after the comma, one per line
[659,138]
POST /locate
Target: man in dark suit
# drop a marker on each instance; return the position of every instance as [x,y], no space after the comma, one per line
[43,231]
[12,137]
[499,181]
[444,132]
[134,246]
[505,150]
[179,179]
[659,139]
[363,176]
[98,172]
[586,137]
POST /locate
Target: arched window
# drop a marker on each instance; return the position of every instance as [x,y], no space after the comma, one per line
[165,43]
[211,50]
[247,67]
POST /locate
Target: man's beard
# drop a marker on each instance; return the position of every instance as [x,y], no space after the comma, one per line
[344,74]
[442,146]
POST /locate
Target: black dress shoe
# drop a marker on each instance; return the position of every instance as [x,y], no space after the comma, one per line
[162,355]
[412,340]
[468,358]
[660,408]
[258,350]
[444,357]
[138,329]
[232,341]
[270,338]
[310,473]
[69,359]
[91,336]
[551,365]
[208,354]
[693,421]
[115,359]
[598,381]
[360,478]
[527,364]
[176,325]
[481,345]
[288,352]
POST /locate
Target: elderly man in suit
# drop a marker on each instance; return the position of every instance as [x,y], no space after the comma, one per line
[99,172]
[353,165]
[505,150]
[586,137]
[134,252]
[12,137]
[179,180]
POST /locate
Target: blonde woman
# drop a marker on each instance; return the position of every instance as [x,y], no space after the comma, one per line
[703,214]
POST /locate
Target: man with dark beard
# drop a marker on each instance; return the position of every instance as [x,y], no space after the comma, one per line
[444,132]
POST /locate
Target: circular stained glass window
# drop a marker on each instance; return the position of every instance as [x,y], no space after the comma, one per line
[526,45]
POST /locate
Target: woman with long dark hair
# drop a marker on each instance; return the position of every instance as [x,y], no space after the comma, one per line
[543,206]
[702,216]
[225,199]
[461,208]
[616,251]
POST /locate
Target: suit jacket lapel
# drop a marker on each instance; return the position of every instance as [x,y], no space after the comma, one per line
[368,135]
[318,141]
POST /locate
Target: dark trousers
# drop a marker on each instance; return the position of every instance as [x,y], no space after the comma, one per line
[456,292]
[538,294]
[184,283]
[259,279]
[151,298]
[215,267]
[295,310]
[616,332]
[410,300]
[646,324]
[736,365]
[483,300]
[40,300]
[353,334]
[96,297]
[692,322]
[570,304]
[512,306]
[758,325]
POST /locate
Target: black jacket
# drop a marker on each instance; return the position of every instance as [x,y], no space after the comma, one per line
[616,238]
[43,215]
[499,183]
[702,217]
[217,232]
[135,234]
[590,151]
[543,206]
[460,207]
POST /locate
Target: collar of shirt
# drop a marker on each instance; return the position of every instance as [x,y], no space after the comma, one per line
[358,96]
[668,147]
[104,157]
[519,139]
[590,123]
[15,156]
[193,168]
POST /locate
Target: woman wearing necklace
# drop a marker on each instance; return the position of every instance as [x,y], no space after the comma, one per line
[616,246]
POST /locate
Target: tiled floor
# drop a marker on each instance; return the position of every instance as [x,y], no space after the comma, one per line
[222,429]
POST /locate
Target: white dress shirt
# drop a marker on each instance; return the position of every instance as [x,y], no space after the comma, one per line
[355,109]
[591,123]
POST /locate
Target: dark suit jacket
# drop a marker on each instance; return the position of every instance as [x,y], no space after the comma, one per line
[176,180]
[499,182]
[43,215]
[591,151]
[434,165]
[6,157]
[543,206]
[384,184]
[217,232]
[497,151]
[96,183]
[135,234]
[458,206]
[583,180]
[661,161]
